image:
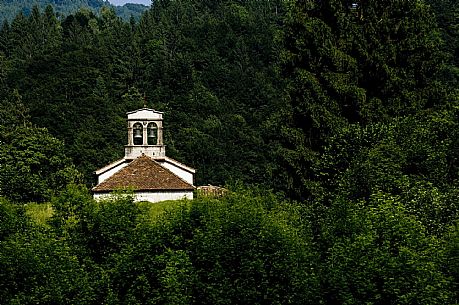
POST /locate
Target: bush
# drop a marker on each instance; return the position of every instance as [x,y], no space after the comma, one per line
[242,249]
[379,254]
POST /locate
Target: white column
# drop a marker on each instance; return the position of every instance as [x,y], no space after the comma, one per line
[144,133]
[130,135]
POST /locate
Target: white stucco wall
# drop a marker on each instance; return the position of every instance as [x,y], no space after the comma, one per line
[153,196]
[162,196]
[132,152]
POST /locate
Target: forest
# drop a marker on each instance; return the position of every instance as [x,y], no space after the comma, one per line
[333,123]
[10,8]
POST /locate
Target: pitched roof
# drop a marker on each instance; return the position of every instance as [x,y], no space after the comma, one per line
[143,174]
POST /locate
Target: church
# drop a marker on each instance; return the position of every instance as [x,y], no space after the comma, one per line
[145,169]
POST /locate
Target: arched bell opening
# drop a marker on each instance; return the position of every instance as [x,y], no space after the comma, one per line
[152,134]
[138,134]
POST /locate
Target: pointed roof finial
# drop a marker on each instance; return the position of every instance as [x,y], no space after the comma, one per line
[144,100]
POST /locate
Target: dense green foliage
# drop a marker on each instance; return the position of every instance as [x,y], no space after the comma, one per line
[10,8]
[349,108]
[33,164]
[246,248]
[261,85]
[78,77]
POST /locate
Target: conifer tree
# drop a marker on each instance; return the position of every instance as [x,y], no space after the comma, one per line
[358,62]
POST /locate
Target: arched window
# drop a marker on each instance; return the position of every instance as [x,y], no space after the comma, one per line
[152,134]
[138,134]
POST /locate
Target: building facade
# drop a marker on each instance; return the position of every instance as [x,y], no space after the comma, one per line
[145,168]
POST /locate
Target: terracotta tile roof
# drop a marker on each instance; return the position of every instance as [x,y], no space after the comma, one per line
[143,174]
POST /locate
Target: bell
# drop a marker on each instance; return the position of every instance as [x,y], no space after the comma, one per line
[138,133]
[151,133]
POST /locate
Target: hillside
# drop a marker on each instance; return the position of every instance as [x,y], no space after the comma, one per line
[10,8]
[334,124]
[130,9]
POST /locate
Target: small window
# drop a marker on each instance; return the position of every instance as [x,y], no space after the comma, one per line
[138,134]
[152,134]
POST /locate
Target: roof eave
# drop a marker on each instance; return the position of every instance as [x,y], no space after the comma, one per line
[110,166]
[181,165]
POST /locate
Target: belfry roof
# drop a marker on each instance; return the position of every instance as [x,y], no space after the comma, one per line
[143,174]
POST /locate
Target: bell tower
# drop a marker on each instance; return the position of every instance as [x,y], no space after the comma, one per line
[145,134]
